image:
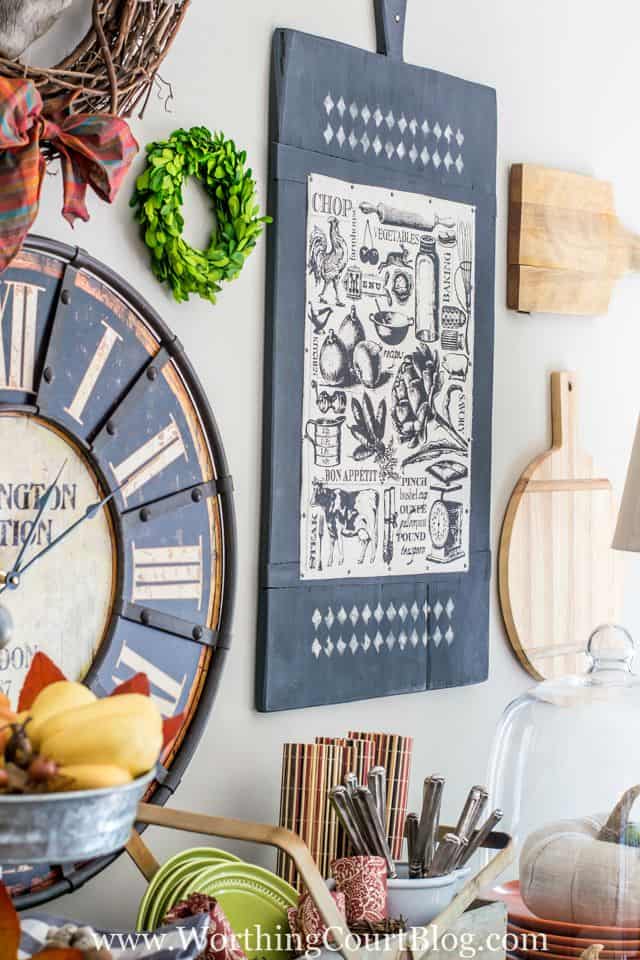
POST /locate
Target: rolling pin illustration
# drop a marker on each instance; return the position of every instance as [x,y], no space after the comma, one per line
[404,218]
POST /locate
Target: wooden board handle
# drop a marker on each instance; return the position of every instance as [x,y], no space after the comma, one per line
[564,421]
[390,20]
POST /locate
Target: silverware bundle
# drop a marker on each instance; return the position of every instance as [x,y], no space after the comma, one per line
[362,813]
[427,857]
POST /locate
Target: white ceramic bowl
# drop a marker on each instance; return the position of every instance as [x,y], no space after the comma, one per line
[418,901]
[462,875]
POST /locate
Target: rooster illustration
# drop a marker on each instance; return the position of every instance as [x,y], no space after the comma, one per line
[319,318]
[327,263]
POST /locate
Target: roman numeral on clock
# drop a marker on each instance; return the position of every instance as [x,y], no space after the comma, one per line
[171,689]
[87,384]
[18,372]
[149,460]
[167,573]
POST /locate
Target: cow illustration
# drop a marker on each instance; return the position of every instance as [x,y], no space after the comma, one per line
[348,514]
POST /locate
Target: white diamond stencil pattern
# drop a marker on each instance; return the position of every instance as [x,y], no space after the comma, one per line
[404,628]
[409,141]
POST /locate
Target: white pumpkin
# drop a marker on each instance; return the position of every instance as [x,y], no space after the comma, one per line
[580,871]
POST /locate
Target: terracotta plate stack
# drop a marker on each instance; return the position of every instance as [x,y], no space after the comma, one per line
[531,936]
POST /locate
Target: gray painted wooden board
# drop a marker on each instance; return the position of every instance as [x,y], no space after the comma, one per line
[370,120]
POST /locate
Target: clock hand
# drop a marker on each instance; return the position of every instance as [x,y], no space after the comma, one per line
[11,579]
[92,510]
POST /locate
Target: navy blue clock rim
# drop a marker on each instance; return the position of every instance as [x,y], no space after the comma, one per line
[73,877]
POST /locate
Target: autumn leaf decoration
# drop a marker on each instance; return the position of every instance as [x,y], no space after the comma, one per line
[9,927]
[368,428]
[10,935]
[43,671]
[138,683]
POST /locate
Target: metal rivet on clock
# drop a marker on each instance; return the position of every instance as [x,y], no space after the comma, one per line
[65,296]
[145,514]
[47,373]
[197,633]
[111,428]
[196,496]
[145,617]
[152,373]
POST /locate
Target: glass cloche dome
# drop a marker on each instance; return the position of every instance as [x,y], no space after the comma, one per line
[564,769]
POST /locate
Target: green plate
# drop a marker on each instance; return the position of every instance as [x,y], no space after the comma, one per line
[255,901]
[168,891]
[279,886]
[193,855]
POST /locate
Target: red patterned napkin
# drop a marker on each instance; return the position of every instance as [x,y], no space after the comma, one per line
[363,881]
[305,920]
[222,941]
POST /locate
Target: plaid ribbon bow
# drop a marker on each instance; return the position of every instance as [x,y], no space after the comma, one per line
[95,149]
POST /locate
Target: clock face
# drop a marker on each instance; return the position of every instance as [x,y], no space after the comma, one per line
[74,583]
[99,405]
[439,524]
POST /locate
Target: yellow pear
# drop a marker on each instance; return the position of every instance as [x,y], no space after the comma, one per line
[123,731]
[93,776]
[57,698]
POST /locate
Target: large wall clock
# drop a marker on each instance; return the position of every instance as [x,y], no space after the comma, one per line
[97,395]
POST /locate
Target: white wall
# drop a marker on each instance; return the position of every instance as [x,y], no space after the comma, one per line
[566,76]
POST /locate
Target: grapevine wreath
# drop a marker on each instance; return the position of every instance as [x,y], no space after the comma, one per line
[75,111]
[113,67]
[220,168]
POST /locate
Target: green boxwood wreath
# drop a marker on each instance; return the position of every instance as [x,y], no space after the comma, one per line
[157,197]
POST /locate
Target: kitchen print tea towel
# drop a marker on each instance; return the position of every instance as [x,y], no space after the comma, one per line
[387,392]
[375,559]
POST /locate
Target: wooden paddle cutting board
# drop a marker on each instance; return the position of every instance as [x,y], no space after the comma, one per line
[558,576]
[566,247]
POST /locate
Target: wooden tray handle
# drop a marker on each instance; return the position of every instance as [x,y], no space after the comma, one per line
[291,844]
[265,834]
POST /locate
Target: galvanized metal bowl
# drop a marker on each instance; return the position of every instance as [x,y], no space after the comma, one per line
[68,827]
